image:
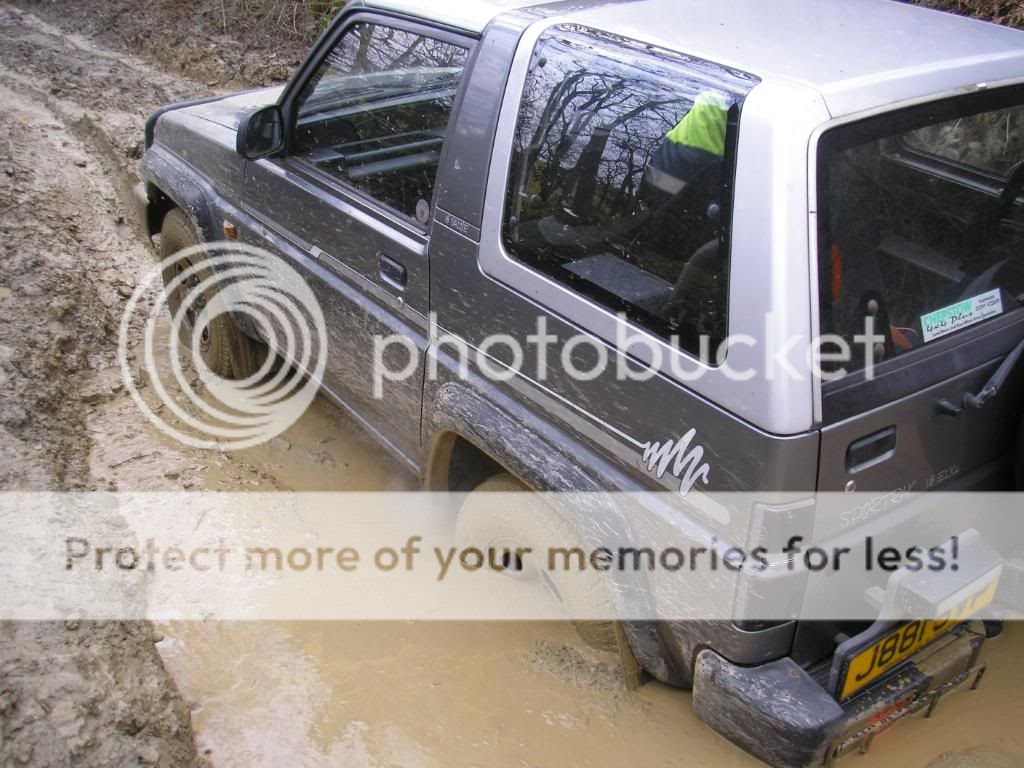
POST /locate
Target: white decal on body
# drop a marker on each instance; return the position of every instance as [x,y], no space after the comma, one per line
[686,463]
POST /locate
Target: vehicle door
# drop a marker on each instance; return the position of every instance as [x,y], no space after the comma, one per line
[922,230]
[350,199]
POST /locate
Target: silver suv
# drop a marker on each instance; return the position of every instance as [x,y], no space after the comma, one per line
[790,234]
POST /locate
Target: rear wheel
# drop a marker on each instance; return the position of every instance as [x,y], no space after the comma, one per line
[525,521]
[225,350]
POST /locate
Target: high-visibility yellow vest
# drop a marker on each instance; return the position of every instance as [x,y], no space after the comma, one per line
[703,127]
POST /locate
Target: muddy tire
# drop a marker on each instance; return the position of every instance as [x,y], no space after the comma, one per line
[529,522]
[227,351]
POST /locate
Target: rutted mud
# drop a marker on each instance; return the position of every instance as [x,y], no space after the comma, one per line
[339,694]
[71,693]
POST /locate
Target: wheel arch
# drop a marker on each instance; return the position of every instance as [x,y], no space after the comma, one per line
[475,431]
[158,205]
[170,184]
[456,464]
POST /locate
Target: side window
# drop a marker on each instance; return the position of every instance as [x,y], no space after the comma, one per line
[621,179]
[374,115]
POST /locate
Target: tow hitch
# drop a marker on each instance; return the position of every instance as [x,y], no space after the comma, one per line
[920,688]
[863,739]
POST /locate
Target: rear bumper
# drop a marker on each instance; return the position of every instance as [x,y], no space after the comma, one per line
[780,714]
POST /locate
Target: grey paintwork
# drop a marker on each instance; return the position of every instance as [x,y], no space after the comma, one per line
[765,435]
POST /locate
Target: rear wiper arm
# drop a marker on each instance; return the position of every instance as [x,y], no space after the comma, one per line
[991,389]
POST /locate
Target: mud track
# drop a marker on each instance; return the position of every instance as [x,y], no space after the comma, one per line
[70,693]
[71,253]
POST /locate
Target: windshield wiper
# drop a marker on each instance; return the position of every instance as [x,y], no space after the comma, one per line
[991,388]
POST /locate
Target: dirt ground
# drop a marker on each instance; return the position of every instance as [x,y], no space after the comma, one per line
[228,44]
[255,694]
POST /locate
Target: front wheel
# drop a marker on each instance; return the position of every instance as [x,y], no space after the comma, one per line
[225,350]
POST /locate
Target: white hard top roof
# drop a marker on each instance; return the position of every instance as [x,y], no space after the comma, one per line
[859,54]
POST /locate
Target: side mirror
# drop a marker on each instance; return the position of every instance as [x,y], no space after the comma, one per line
[261,133]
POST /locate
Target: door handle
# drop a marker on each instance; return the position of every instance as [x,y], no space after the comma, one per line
[871,450]
[392,271]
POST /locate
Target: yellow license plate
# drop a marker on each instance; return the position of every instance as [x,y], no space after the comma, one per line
[907,639]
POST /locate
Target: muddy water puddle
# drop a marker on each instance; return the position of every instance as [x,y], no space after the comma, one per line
[443,694]
[324,450]
[524,695]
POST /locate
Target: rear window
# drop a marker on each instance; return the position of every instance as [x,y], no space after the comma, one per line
[922,228]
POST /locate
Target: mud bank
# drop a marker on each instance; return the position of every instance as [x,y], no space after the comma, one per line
[70,693]
[229,44]
[88,694]
[80,693]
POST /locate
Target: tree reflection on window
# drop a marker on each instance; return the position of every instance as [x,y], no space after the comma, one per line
[621,179]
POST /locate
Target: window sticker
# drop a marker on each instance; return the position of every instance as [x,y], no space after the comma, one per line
[957,316]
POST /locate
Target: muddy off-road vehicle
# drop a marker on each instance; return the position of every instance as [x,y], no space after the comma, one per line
[657,177]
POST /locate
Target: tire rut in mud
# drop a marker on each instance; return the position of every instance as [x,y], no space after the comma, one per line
[71,693]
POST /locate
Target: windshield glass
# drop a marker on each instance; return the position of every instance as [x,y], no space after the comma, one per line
[921,223]
[372,62]
[337,91]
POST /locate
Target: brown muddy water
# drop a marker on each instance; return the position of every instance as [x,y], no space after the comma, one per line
[446,695]
[524,695]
